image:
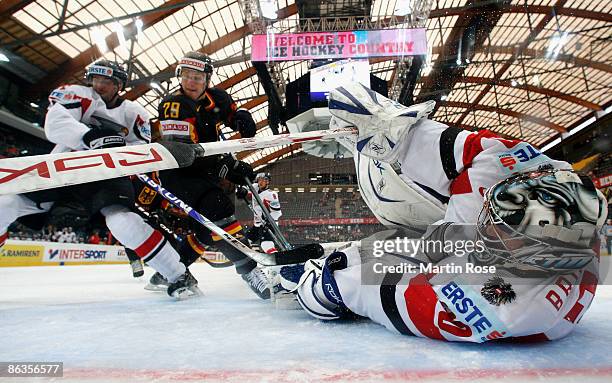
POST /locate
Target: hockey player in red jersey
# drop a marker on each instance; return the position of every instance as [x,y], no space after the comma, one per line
[89,118]
[193,114]
[531,272]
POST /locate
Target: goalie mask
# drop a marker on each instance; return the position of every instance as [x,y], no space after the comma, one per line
[545,219]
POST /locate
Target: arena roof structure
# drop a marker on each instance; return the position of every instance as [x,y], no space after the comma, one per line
[535,70]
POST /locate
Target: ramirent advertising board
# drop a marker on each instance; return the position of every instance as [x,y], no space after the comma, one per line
[31,253]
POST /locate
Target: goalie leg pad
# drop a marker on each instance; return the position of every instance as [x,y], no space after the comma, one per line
[382,123]
[317,291]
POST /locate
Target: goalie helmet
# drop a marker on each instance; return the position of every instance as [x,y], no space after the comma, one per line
[196,61]
[110,69]
[544,219]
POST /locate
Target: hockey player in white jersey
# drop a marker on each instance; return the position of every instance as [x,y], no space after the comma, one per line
[89,118]
[258,233]
[531,272]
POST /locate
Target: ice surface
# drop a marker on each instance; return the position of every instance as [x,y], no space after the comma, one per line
[105,327]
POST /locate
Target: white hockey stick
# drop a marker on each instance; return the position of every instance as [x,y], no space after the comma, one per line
[27,174]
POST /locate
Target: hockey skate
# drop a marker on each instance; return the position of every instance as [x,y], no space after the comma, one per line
[157,283]
[186,285]
[258,282]
[137,268]
[284,280]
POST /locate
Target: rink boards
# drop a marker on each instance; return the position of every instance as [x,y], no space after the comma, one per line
[37,253]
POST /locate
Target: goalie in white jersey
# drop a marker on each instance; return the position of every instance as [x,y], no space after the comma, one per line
[89,118]
[531,271]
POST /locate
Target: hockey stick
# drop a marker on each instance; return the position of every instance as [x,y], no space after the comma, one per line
[271,226]
[297,255]
[32,173]
[208,257]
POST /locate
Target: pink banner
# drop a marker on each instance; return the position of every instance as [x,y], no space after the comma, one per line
[329,45]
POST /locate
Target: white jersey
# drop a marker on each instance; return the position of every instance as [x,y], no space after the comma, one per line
[450,305]
[460,165]
[73,108]
[270,201]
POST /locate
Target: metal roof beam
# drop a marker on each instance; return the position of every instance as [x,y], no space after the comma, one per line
[78,63]
[507,112]
[532,35]
[465,39]
[530,88]
[572,12]
[8,7]
[212,47]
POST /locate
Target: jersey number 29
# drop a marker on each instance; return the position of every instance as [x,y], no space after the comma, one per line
[173,108]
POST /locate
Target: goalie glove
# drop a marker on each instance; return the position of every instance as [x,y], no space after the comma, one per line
[381,122]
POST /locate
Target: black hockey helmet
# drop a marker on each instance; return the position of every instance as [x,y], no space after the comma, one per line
[110,69]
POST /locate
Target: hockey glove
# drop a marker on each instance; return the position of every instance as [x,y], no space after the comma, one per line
[103,138]
[382,123]
[238,172]
[243,123]
[242,192]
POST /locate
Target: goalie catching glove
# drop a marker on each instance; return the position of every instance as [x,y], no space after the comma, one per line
[238,172]
[381,122]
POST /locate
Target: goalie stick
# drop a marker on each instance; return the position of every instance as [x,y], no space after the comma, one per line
[27,174]
[296,255]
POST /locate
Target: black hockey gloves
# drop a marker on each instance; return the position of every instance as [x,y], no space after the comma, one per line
[243,123]
[242,192]
[234,171]
[103,138]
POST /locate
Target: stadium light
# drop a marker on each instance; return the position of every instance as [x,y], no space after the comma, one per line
[268,9]
[99,39]
[154,84]
[139,25]
[118,29]
[402,8]
[555,45]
